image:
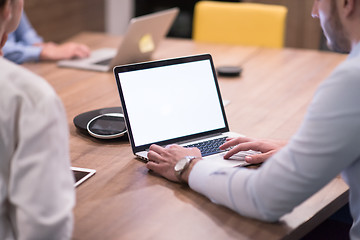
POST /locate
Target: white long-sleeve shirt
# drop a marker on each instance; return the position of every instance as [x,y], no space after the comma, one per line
[327,143]
[36,183]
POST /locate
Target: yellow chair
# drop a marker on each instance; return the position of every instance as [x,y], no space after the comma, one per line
[239,23]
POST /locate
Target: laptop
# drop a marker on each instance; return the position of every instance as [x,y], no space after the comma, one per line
[175,101]
[139,42]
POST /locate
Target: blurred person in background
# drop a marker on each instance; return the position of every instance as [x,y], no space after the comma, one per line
[25,45]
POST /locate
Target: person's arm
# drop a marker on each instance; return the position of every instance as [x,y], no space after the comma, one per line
[23,44]
[52,51]
[19,53]
[36,49]
[41,184]
[326,143]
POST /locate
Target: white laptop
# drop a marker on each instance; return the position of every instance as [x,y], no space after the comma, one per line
[139,42]
[174,101]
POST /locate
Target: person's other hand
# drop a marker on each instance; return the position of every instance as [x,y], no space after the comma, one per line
[265,146]
[53,51]
[163,160]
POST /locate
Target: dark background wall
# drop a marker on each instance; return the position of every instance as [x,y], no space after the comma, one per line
[57,20]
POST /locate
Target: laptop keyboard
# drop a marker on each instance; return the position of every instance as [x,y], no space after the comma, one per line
[104,62]
[209,147]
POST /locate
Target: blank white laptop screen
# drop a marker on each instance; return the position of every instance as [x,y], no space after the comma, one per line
[171,101]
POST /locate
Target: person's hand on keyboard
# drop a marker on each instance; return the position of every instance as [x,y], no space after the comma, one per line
[70,50]
[266,147]
[163,160]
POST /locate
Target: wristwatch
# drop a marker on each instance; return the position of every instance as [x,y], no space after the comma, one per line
[182,165]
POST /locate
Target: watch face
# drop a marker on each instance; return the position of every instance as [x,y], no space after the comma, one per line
[180,164]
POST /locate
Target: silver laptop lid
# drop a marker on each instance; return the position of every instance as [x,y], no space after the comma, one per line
[143,37]
[171,100]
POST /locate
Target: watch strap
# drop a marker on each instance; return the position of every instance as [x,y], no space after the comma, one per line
[178,173]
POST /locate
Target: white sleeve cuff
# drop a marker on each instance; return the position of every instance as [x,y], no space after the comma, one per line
[229,186]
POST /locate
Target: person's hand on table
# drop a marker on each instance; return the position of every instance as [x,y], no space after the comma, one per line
[53,51]
[267,148]
[163,160]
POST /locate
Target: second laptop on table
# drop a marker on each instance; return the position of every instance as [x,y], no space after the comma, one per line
[138,44]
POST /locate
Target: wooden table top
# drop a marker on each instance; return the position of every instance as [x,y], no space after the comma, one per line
[124,201]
